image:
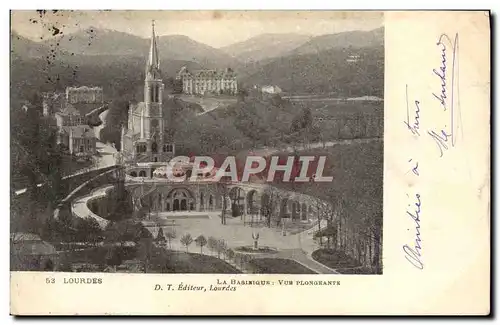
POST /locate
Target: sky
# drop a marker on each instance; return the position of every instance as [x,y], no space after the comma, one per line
[214,28]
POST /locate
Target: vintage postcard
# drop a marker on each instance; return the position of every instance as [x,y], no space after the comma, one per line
[249,163]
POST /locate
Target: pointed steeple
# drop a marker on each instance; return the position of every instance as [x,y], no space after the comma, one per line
[153,65]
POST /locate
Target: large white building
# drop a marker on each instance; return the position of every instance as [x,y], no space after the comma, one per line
[84,98]
[208,82]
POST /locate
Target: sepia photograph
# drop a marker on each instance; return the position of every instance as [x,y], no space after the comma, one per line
[140,143]
[248,162]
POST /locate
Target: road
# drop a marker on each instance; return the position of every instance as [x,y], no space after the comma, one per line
[80,207]
[209,104]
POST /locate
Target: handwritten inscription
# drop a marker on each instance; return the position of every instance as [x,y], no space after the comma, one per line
[445,136]
[414,124]
[443,129]
[413,253]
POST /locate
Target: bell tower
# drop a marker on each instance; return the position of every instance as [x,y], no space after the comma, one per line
[153,94]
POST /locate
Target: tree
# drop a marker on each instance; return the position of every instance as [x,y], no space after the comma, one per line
[113,257]
[88,230]
[124,231]
[53,230]
[141,232]
[64,264]
[170,235]
[186,240]
[145,252]
[230,254]
[221,246]
[212,244]
[201,241]
[160,237]
[269,203]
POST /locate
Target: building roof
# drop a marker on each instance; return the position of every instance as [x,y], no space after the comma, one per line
[69,109]
[85,108]
[83,88]
[20,236]
[207,73]
[80,131]
[33,248]
[30,244]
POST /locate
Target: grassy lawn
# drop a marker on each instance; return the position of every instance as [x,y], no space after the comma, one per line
[166,261]
[161,261]
[358,270]
[278,266]
[97,255]
[250,249]
[333,259]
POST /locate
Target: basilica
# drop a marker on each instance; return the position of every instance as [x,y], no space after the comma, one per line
[143,139]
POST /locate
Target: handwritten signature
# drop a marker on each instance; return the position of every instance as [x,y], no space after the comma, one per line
[413,254]
[446,137]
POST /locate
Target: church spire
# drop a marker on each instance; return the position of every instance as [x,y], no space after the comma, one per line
[153,65]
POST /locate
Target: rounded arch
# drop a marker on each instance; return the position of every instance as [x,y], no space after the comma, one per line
[211,202]
[133,174]
[295,210]
[237,197]
[180,199]
[180,192]
[252,202]
[142,173]
[265,201]
[284,213]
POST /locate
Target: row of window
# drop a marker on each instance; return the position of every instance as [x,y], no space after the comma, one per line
[154,93]
[141,148]
[82,141]
[227,84]
[73,121]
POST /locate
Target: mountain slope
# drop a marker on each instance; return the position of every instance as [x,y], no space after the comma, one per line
[180,47]
[328,71]
[93,41]
[355,39]
[22,47]
[265,46]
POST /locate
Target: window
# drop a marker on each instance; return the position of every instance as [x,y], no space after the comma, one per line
[168,148]
[141,148]
[157,94]
[151,93]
